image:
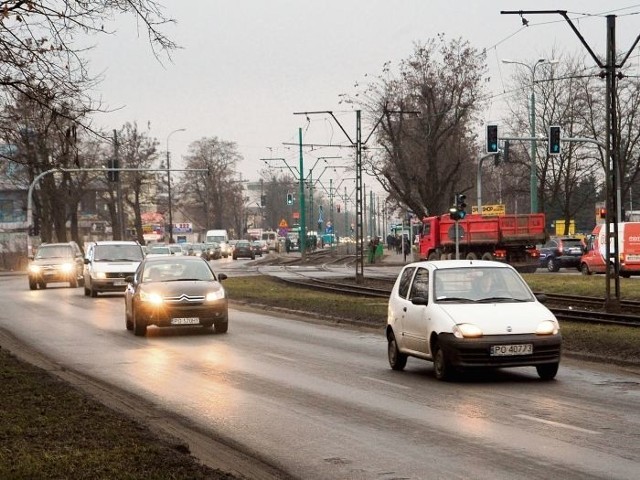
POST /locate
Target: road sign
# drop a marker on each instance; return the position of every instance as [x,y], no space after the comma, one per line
[498,209]
[283,224]
[295,215]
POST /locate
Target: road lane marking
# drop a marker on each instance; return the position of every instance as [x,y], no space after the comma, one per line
[280,357]
[392,384]
[557,424]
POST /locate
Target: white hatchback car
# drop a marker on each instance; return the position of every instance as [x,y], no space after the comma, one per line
[463,314]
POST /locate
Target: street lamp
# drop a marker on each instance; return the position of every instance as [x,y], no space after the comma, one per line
[532,127]
[169,183]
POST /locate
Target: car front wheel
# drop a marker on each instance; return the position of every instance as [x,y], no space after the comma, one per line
[441,366]
[584,268]
[397,359]
[139,326]
[33,285]
[547,371]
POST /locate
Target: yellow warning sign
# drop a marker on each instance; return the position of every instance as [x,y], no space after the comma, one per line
[283,224]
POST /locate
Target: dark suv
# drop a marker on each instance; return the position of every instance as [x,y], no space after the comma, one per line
[561,252]
[56,262]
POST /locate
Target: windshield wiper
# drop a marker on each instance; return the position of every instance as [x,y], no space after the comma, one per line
[499,299]
[455,299]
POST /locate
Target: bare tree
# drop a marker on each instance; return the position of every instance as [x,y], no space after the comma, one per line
[562,96]
[213,199]
[39,54]
[136,149]
[428,111]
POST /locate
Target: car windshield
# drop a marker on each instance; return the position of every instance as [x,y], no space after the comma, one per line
[242,244]
[176,271]
[110,253]
[176,248]
[54,251]
[480,285]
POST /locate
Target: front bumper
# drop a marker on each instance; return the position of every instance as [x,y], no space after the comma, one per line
[162,315]
[475,352]
[115,282]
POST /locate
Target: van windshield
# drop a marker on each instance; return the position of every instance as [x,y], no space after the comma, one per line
[215,238]
[106,253]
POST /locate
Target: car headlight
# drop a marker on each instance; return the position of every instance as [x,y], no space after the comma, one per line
[151,297]
[214,296]
[467,330]
[101,275]
[547,327]
[34,268]
[66,267]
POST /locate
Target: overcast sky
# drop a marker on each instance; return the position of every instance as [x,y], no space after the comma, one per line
[247,65]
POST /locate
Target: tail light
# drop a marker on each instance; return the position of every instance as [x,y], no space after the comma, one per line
[501,254]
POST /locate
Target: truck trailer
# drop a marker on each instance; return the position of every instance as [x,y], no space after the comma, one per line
[510,239]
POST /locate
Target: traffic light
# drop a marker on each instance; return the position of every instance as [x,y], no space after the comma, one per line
[492,138]
[113,175]
[458,210]
[554,140]
[602,212]
[289,199]
[461,205]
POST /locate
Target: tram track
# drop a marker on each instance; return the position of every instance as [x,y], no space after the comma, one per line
[565,307]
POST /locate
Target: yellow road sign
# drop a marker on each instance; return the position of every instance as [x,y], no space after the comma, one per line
[498,209]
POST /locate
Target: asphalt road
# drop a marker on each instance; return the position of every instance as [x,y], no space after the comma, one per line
[320,402]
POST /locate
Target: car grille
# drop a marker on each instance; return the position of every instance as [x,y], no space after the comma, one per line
[117,274]
[184,298]
[541,353]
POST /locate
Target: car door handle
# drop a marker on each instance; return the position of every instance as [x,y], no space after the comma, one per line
[404,309]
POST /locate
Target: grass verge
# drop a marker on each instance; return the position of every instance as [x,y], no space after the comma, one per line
[48,429]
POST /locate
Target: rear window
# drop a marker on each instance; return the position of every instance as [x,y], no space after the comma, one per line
[572,242]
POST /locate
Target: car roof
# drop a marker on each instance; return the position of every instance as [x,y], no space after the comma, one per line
[116,242]
[173,259]
[450,264]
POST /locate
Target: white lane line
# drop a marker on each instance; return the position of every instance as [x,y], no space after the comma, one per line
[387,383]
[557,424]
[280,357]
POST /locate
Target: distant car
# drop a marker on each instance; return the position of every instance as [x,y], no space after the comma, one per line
[264,245]
[256,245]
[196,249]
[108,263]
[561,252]
[56,262]
[158,250]
[176,249]
[469,314]
[243,249]
[211,251]
[174,291]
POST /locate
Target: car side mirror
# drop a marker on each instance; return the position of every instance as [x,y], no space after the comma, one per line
[222,276]
[542,298]
[420,301]
[86,261]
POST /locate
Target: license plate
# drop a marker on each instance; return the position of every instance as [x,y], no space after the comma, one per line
[633,258]
[506,350]
[185,320]
[119,283]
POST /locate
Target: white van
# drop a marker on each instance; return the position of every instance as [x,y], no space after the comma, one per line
[221,237]
[108,263]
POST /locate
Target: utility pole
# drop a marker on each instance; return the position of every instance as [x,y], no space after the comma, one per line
[612,153]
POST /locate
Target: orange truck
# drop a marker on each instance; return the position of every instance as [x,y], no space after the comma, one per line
[510,239]
[593,260]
